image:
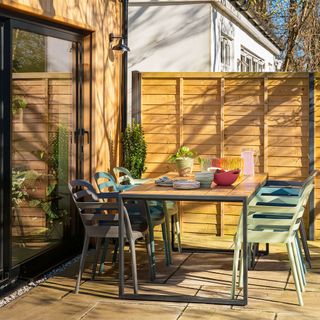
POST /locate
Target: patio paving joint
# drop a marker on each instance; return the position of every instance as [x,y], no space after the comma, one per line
[178,268]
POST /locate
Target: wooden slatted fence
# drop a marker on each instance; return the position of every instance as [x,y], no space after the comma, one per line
[220,114]
[49,102]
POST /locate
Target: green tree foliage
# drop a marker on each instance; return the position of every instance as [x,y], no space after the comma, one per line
[28,52]
[135,150]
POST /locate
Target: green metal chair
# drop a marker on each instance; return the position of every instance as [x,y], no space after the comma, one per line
[151,214]
[285,189]
[170,208]
[274,231]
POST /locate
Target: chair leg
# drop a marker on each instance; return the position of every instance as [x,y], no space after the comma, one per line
[301,254]
[94,267]
[153,250]
[82,260]
[168,237]
[151,257]
[115,252]
[134,266]
[295,273]
[303,236]
[240,285]
[177,232]
[235,271]
[299,267]
[166,244]
[104,255]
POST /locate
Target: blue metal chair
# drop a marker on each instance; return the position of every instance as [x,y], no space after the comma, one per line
[170,208]
[151,214]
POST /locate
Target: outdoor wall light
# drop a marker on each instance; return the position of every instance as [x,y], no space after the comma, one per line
[121,46]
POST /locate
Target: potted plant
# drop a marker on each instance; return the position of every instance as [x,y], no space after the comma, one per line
[183,159]
[135,150]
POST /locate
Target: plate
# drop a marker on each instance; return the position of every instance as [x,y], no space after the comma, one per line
[186,184]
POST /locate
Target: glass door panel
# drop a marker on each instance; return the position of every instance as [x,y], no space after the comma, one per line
[42,160]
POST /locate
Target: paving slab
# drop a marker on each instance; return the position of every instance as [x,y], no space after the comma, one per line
[214,313]
[134,311]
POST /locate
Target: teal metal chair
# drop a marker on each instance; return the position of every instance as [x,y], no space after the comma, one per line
[170,208]
[151,214]
[261,230]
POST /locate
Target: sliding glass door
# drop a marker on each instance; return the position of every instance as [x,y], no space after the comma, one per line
[42,107]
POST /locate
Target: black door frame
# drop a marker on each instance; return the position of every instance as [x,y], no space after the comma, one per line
[69,246]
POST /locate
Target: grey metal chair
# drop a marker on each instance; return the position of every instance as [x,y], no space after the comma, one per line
[101,221]
[153,215]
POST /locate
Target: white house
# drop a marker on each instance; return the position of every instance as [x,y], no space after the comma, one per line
[197,35]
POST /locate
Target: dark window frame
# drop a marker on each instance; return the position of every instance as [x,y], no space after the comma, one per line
[8,21]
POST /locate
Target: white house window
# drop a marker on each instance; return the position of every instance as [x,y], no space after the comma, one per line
[250,62]
[226,49]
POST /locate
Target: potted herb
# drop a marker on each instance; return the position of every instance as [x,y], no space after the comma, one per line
[18,104]
[183,159]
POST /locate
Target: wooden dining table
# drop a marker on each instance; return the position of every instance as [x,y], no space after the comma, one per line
[242,191]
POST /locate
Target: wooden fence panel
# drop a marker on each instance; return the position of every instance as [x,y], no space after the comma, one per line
[49,102]
[221,114]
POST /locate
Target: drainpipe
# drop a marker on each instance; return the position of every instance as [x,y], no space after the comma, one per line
[124,80]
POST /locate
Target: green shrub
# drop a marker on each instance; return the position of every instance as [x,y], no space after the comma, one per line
[135,150]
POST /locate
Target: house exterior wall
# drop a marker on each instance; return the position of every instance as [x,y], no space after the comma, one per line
[240,38]
[101,17]
[185,36]
[169,37]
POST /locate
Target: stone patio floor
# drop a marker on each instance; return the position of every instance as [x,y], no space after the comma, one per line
[271,290]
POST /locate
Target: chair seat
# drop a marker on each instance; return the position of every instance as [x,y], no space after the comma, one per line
[156,214]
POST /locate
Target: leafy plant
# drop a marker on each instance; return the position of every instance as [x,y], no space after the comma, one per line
[18,103]
[49,204]
[135,149]
[21,181]
[182,152]
[58,160]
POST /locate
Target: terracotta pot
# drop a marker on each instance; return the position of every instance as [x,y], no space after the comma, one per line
[184,166]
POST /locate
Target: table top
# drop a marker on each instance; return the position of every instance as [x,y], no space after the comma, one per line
[244,188]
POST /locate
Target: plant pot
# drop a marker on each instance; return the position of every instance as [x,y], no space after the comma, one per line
[184,166]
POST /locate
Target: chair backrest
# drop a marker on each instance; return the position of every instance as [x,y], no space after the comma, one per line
[310,179]
[291,224]
[105,181]
[98,214]
[123,175]
[296,218]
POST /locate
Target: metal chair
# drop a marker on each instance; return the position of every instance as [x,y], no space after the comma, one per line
[101,221]
[170,208]
[288,189]
[153,215]
[275,230]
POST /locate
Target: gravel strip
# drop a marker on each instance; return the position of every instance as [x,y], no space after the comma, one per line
[32,284]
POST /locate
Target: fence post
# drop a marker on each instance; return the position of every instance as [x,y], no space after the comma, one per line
[311,153]
[265,125]
[136,97]
[222,96]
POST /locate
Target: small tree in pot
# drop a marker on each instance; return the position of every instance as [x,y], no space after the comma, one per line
[135,150]
[183,159]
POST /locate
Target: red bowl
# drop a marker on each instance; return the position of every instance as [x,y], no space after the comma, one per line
[226,178]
